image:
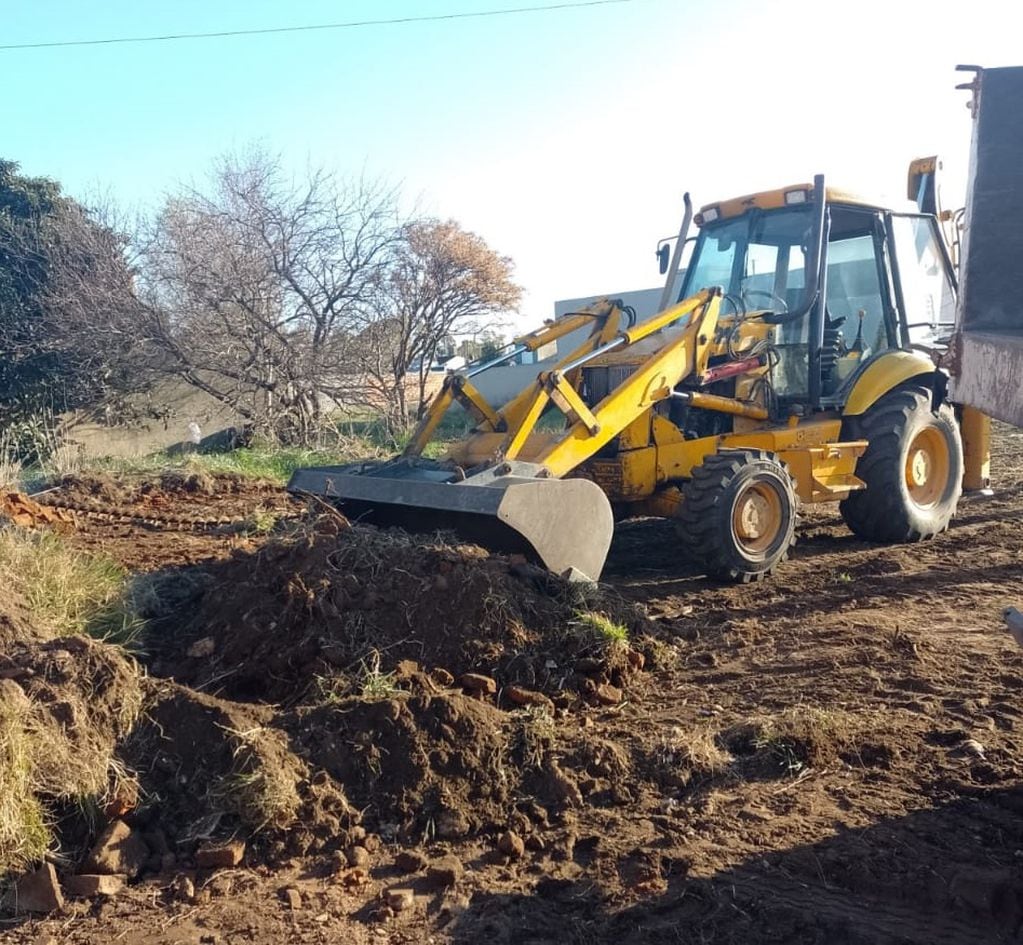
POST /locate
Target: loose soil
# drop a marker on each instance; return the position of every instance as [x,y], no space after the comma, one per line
[831,757]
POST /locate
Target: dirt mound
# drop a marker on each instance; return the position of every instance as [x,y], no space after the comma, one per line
[101,488]
[436,765]
[172,484]
[64,705]
[346,604]
[208,767]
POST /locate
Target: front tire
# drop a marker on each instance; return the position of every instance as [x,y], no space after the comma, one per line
[738,515]
[913,469]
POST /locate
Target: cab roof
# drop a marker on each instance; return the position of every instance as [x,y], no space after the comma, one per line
[789,196]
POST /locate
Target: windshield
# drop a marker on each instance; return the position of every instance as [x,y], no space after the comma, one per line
[759,259]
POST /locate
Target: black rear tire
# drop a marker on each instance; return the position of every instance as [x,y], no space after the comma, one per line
[913,468]
[738,515]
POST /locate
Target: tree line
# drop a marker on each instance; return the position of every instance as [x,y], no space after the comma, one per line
[287,299]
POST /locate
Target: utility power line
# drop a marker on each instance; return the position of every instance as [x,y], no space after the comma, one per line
[573,5]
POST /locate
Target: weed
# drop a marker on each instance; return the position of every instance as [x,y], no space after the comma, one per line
[599,629]
[376,684]
[803,737]
[261,522]
[331,690]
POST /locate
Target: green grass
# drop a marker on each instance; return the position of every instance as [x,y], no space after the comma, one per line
[601,628]
[258,462]
[67,591]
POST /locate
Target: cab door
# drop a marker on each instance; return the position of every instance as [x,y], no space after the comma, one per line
[925,282]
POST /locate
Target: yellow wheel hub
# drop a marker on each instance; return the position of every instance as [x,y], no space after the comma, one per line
[927,467]
[757,517]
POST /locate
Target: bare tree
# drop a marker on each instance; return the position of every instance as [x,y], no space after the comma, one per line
[253,290]
[286,300]
[444,282]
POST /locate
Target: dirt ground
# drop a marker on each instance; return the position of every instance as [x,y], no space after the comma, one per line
[834,756]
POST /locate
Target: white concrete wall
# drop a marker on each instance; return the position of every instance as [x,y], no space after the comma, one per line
[501,384]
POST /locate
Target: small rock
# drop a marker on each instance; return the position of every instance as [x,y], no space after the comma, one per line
[38,891]
[357,834]
[201,648]
[575,576]
[636,659]
[124,800]
[411,861]
[371,842]
[511,844]
[520,823]
[442,677]
[184,888]
[220,855]
[446,871]
[292,898]
[406,669]
[476,683]
[606,694]
[400,899]
[565,789]
[528,697]
[972,747]
[119,849]
[88,885]
[357,856]
[355,877]
[452,824]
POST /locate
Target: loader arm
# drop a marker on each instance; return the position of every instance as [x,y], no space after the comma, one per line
[681,355]
[602,318]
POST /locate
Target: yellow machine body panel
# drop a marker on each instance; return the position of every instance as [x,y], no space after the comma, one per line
[882,375]
[782,197]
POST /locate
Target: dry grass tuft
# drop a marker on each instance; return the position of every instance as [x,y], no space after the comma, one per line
[24,833]
[804,737]
[74,700]
[262,790]
[11,468]
[67,592]
[684,757]
[535,736]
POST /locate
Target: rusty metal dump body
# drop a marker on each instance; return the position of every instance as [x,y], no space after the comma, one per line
[987,367]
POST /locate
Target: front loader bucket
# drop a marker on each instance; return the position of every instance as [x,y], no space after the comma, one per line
[564,523]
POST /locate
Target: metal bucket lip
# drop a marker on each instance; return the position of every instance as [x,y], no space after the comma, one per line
[566,523]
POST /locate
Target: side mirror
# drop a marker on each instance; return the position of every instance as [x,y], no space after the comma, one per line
[663,257]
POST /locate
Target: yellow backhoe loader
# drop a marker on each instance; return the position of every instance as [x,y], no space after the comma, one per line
[800,365]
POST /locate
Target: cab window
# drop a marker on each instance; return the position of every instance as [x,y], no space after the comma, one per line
[928,293]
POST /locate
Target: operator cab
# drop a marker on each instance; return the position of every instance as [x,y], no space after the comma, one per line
[830,280]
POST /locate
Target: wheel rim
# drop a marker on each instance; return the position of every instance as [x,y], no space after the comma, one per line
[927,468]
[757,517]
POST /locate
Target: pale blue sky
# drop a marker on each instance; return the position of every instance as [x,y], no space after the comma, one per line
[565,138]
